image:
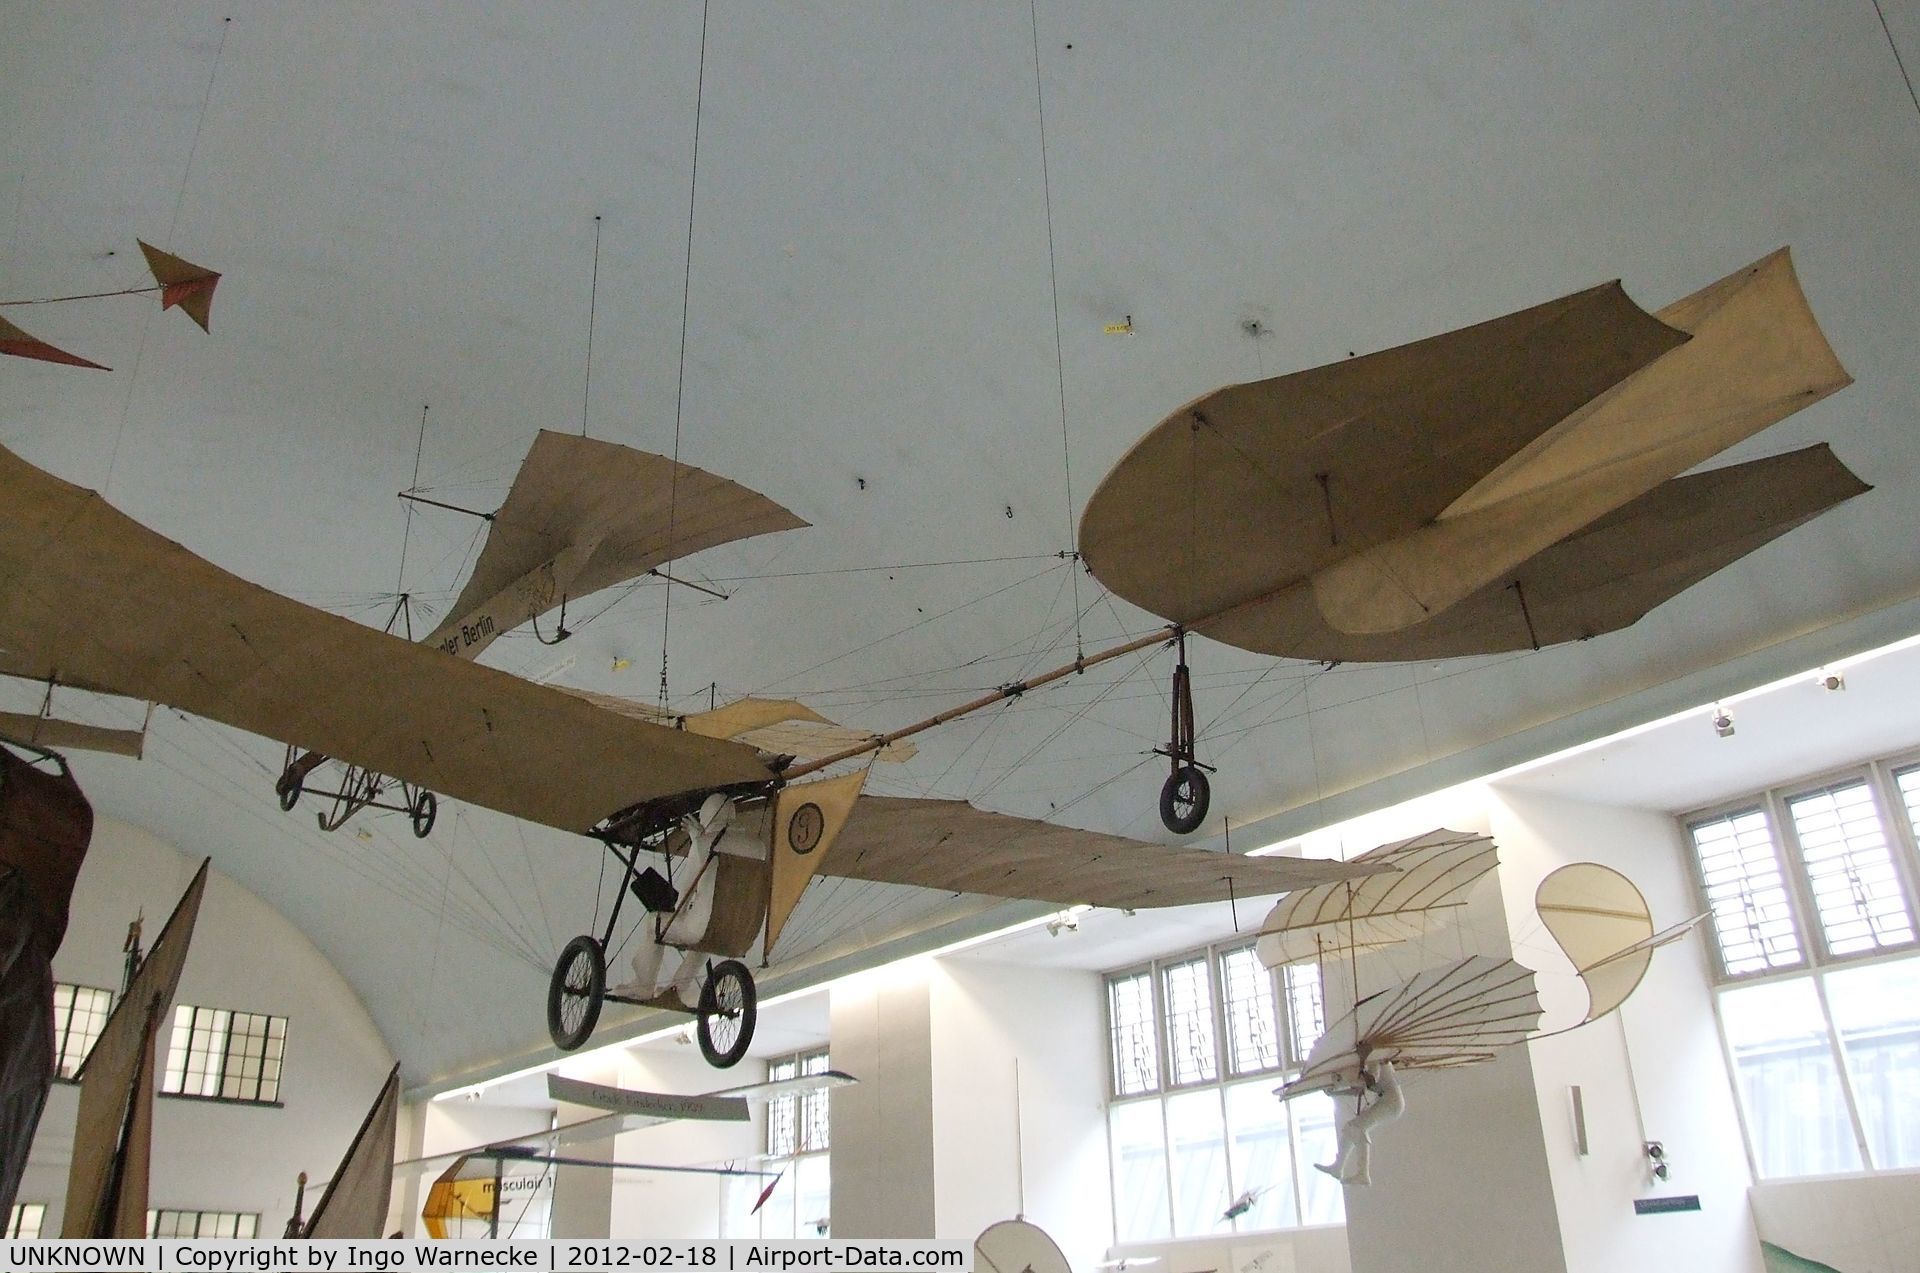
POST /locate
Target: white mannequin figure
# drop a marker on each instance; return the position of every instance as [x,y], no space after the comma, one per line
[685,928]
[1354,1165]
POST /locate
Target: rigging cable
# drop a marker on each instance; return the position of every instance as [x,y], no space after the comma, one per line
[133,375]
[680,386]
[593,305]
[1059,356]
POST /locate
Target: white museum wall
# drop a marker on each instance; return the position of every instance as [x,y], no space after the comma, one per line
[212,1155]
[1662,1044]
[883,1152]
[986,1017]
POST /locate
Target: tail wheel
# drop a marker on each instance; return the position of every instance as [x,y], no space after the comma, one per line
[1183,800]
[425,807]
[575,993]
[729,1005]
[288,789]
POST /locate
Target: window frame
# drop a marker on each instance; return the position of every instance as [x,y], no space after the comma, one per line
[64,1029]
[1803,909]
[1817,960]
[226,1055]
[1291,1059]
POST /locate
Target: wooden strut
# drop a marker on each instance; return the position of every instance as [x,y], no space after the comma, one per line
[1170,633]
[1001,695]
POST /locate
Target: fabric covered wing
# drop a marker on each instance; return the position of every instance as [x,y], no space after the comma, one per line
[1601,579]
[1228,499]
[635,509]
[89,594]
[950,845]
[1431,871]
[356,1201]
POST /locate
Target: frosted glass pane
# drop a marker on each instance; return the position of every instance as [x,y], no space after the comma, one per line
[1322,1199]
[1260,1151]
[1139,1171]
[1877,1012]
[1789,1085]
[1197,1154]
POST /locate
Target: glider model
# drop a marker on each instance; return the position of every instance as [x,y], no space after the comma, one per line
[1458,1013]
[1505,486]
[467,1188]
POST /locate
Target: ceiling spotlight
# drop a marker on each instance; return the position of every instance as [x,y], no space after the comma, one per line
[1723,722]
[1831,680]
[1064,922]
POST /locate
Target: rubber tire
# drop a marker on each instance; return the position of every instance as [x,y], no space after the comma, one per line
[727,969]
[1198,794]
[425,809]
[559,991]
[289,792]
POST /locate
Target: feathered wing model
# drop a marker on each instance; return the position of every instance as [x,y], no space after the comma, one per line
[1456,1014]
[1606,929]
[1429,873]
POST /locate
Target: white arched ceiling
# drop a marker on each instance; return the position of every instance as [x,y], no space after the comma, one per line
[403,199]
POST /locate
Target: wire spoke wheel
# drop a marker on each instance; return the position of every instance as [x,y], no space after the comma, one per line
[575,993]
[1183,799]
[729,1005]
[425,807]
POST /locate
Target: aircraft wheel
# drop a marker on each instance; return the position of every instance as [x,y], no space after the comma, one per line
[729,1005]
[575,993]
[288,789]
[1183,800]
[423,812]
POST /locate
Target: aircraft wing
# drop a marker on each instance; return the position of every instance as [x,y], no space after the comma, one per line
[950,845]
[92,597]
[633,510]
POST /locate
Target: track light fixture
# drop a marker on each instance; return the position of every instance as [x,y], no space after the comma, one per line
[1722,722]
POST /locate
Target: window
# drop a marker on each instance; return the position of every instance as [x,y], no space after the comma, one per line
[1192,1056]
[1740,871]
[79,1014]
[1136,1058]
[797,1121]
[798,1130]
[203,1224]
[1199,1043]
[25,1219]
[1857,897]
[1811,891]
[218,1053]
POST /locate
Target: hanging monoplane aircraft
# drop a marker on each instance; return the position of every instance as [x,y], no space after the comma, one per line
[90,598]
[1505,486]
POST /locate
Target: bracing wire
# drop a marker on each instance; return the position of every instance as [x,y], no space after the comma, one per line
[140,349]
[406,531]
[593,304]
[680,386]
[1053,275]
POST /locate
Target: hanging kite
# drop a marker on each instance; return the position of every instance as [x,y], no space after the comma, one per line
[180,283]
